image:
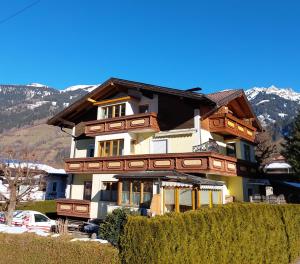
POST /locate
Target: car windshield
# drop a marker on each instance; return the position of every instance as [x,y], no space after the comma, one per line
[18,214]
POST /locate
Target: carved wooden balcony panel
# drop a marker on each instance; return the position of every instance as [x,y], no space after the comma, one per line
[72,207]
[199,162]
[228,124]
[139,123]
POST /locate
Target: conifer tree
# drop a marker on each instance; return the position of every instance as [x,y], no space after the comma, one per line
[292,146]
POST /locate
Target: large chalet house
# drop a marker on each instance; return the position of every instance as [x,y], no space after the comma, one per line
[146,146]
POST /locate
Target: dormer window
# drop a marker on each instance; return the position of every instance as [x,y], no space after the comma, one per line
[113,110]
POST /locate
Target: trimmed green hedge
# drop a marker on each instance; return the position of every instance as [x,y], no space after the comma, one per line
[235,234]
[29,248]
[46,207]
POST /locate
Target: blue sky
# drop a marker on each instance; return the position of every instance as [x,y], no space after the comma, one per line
[211,44]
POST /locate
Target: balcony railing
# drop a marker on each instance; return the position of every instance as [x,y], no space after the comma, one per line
[211,145]
[192,162]
[139,123]
[72,207]
[226,123]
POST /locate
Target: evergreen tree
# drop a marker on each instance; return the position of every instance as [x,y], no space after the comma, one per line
[292,146]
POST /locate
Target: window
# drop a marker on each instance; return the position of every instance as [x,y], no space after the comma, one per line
[109,191]
[87,190]
[231,150]
[159,146]
[54,186]
[40,218]
[90,151]
[247,155]
[137,193]
[113,111]
[143,109]
[111,148]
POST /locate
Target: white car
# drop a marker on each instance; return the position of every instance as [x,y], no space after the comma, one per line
[33,220]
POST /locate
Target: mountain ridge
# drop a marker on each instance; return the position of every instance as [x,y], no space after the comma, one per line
[24,110]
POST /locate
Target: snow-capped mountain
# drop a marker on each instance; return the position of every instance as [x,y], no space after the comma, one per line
[22,105]
[87,88]
[275,107]
[25,104]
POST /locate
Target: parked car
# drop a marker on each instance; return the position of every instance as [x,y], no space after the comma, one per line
[92,227]
[32,220]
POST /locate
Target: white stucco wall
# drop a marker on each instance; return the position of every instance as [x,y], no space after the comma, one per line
[78,184]
[81,147]
[99,208]
[132,106]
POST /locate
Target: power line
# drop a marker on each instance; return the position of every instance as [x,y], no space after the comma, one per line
[19,12]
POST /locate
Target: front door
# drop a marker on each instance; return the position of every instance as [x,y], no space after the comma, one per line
[87,191]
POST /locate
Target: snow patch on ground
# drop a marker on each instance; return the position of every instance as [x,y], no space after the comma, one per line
[37,85]
[20,230]
[87,88]
[263,101]
[282,115]
[102,241]
[37,104]
[265,118]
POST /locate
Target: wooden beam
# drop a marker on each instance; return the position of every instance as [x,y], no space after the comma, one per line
[164,200]
[130,193]
[91,100]
[111,101]
[220,197]
[193,199]
[120,184]
[198,198]
[142,193]
[177,207]
[210,199]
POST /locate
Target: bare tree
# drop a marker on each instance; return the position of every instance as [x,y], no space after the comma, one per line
[21,178]
[265,147]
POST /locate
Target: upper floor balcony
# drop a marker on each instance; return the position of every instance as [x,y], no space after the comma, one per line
[227,124]
[146,122]
[207,162]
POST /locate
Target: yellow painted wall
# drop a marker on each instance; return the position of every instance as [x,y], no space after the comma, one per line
[234,185]
[176,143]
[181,143]
[77,186]
[142,145]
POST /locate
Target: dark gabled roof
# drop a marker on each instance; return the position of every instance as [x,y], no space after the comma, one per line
[95,94]
[224,97]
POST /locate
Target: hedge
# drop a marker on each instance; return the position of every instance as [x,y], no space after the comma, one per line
[46,207]
[29,248]
[235,234]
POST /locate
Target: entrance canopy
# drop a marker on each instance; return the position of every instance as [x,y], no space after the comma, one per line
[170,177]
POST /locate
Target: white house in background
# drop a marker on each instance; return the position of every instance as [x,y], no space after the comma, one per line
[278,166]
[53,183]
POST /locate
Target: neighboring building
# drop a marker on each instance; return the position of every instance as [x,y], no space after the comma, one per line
[50,182]
[142,145]
[283,179]
[278,165]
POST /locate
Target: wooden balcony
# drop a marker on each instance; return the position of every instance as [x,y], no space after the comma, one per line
[227,124]
[74,208]
[139,123]
[199,162]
